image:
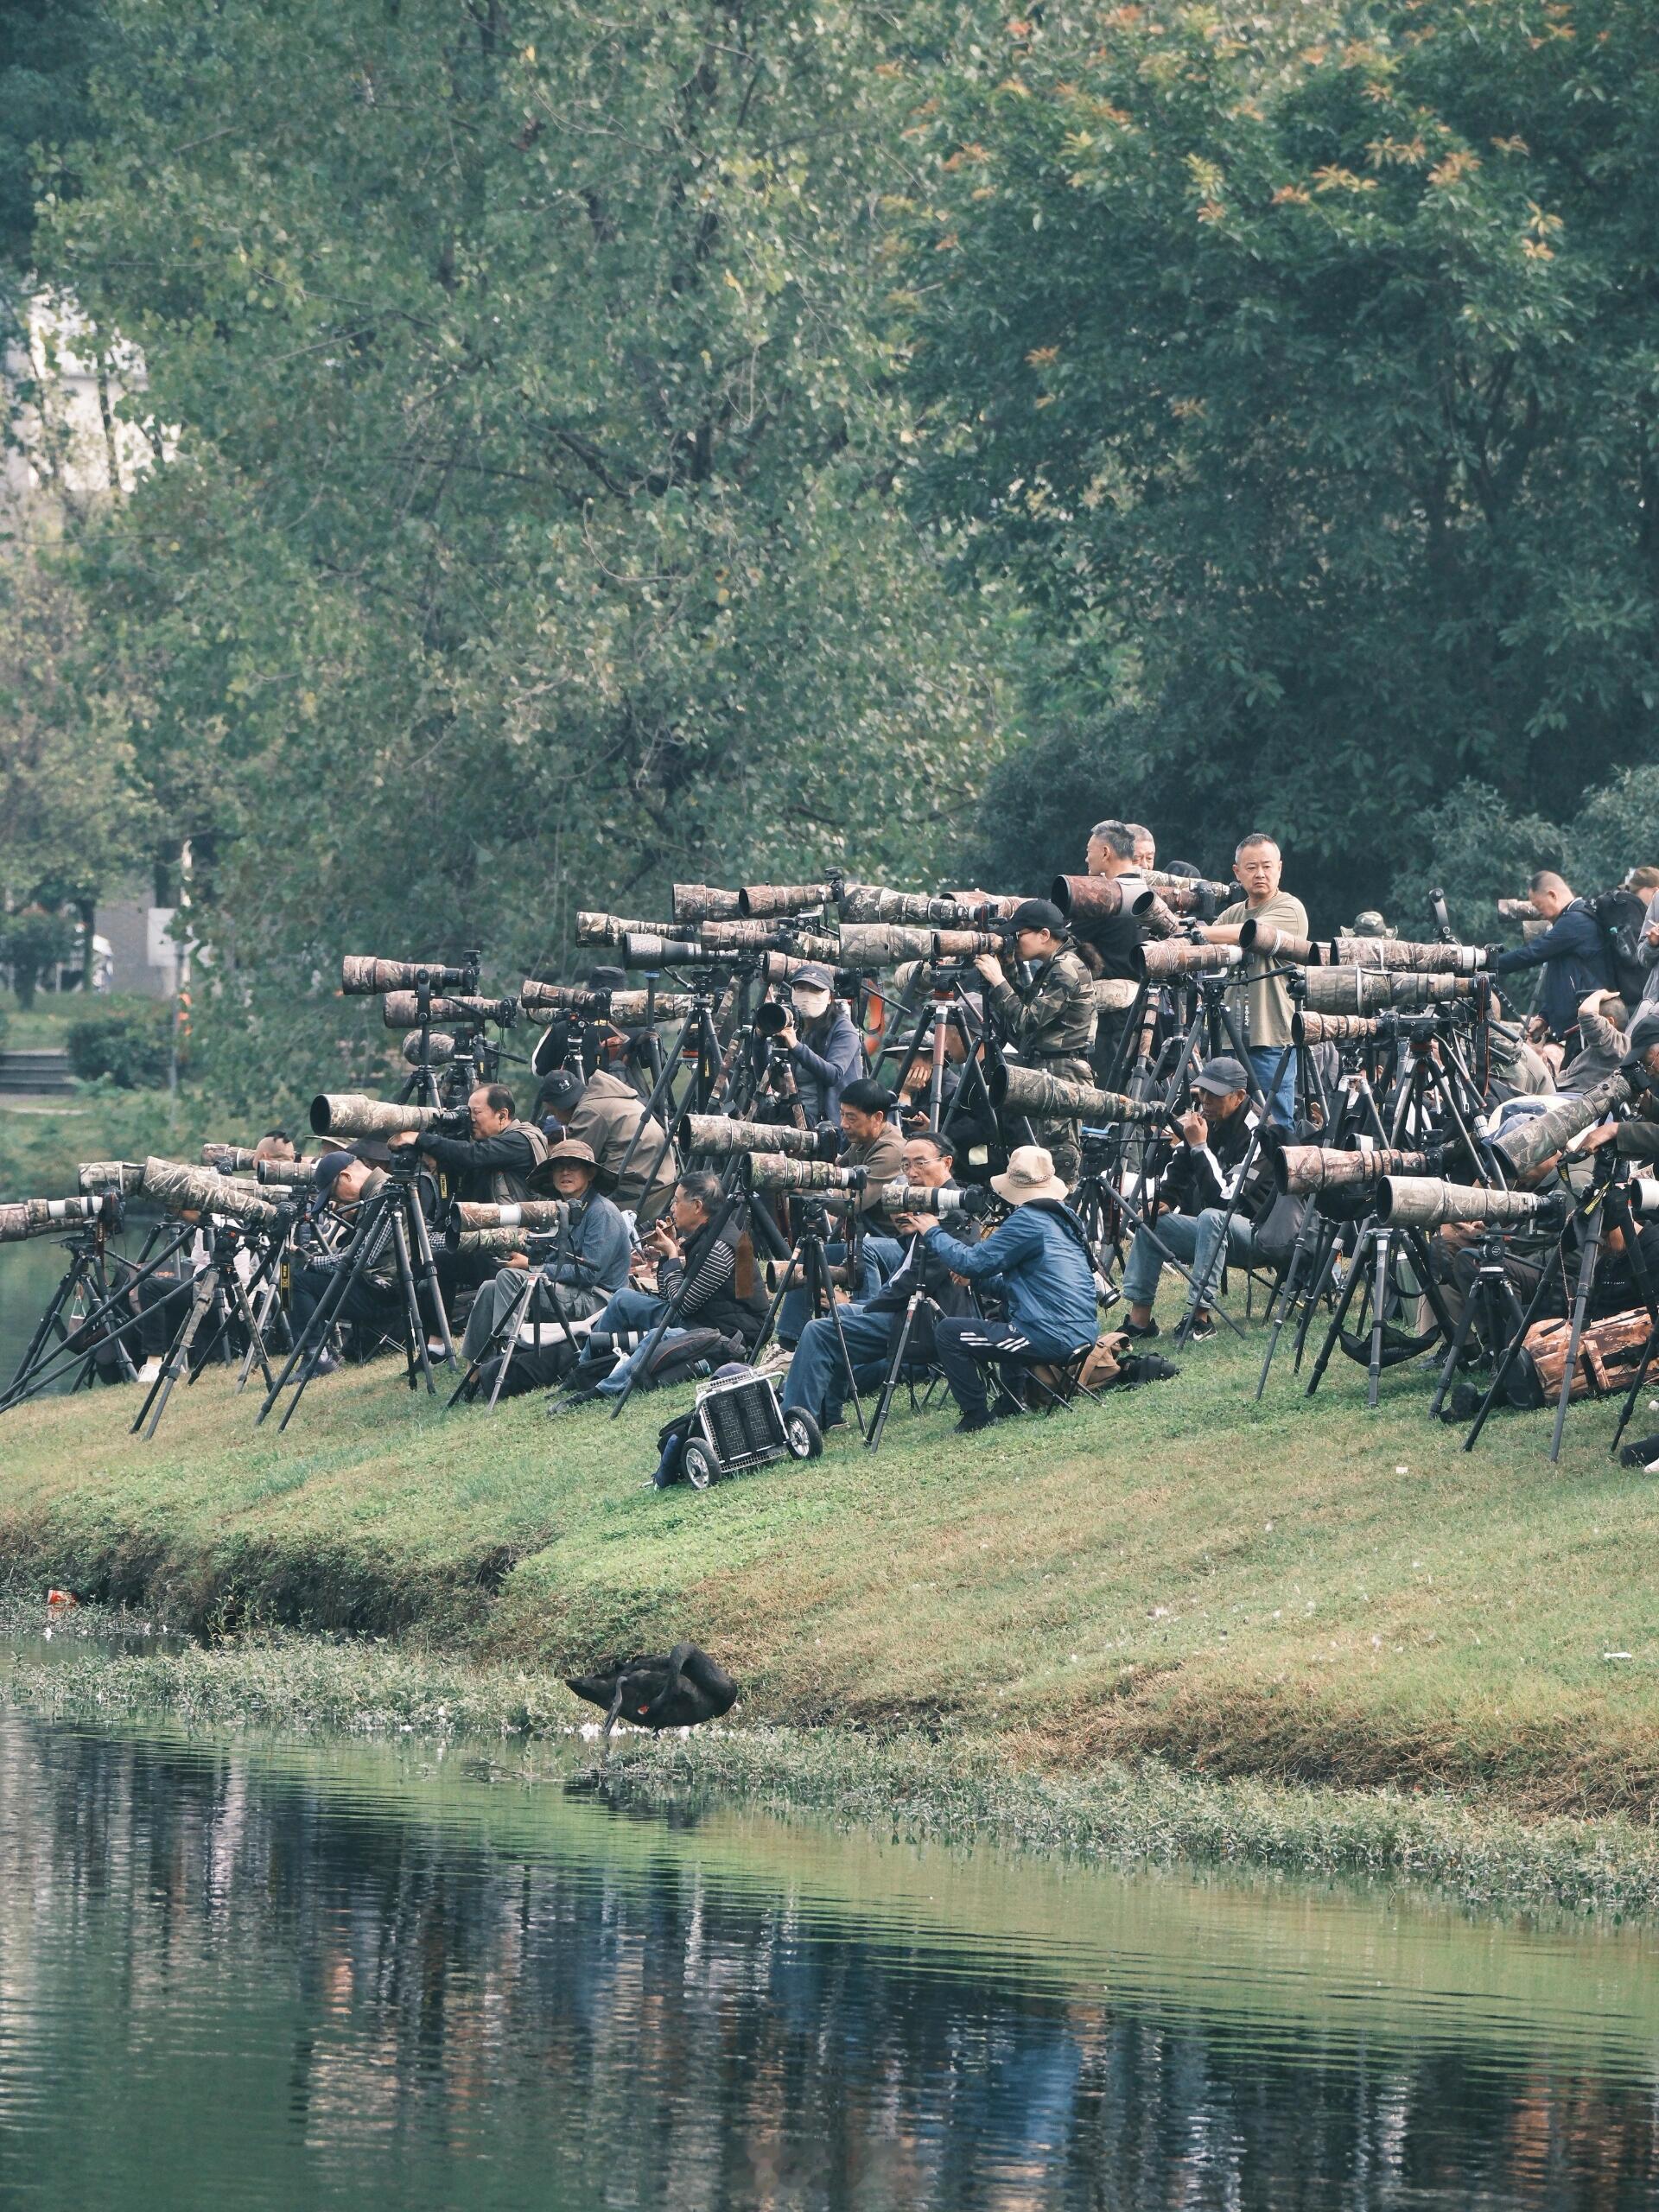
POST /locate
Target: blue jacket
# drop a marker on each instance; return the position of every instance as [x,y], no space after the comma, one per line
[1039,1263]
[592,1248]
[825,1061]
[1573,957]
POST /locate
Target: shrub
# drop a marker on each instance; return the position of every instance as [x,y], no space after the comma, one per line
[32,943]
[131,1045]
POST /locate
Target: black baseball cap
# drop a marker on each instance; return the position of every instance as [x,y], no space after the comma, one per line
[1222,1075]
[1037,914]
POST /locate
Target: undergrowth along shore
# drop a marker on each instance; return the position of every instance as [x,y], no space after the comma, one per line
[950,1788]
[1301,1593]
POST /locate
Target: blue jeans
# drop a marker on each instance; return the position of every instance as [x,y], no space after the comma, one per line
[636,1312]
[793,1314]
[1196,1242]
[817,1378]
[1281,1101]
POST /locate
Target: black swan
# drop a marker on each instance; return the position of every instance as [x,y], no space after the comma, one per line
[675,1692]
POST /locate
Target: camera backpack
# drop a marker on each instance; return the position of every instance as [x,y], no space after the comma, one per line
[1621,916]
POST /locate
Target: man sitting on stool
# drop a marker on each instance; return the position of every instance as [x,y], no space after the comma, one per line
[1196,1190]
[1039,1263]
[817,1375]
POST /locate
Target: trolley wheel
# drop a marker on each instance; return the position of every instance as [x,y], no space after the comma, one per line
[697,1466]
[801,1434]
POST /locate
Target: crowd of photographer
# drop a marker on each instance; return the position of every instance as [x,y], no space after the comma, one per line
[864,1142]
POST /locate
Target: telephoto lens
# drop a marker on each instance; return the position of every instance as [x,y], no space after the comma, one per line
[432,1048]
[349,1114]
[27,1218]
[1338,1028]
[1275,944]
[402,1010]
[527,1213]
[1156,917]
[771,1172]
[362,976]
[1054,1098]
[1370,990]
[870,902]
[767,936]
[914,1197]
[593,928]
[1176,957]
[1518,910]
[1420,1202]
[704,902]
[756,902]
[229,1159]
[497,1241]
[720,1135]
[672,952]
[123,1175]
[539,1000]
[199,1189]
[1420,959]
[280,1173]
[1224,894]
[1302,1169]
[1529,1143]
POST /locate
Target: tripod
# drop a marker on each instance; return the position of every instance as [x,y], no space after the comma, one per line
[392,1217]
[808,1258]
[217,1291]
[43,1364]
[504,1341]
[1491,1315]
[1380,1248]
[1607,1196]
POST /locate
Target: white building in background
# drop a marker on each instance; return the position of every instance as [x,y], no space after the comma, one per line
[66,452]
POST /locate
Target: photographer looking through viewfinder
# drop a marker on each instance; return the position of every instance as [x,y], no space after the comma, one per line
[492,1166]
[822,1044]
[1047,1017]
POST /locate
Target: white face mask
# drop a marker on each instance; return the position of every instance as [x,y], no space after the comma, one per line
[810,1004]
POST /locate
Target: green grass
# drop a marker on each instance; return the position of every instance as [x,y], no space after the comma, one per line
[1303,1592]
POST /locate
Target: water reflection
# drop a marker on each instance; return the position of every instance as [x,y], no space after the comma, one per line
[280,1977]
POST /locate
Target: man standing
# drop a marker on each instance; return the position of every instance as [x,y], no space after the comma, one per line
[1146,846]
[1049,1018]
[1570,951]
[1261,996]
[822,1044]
[1038,1262]
[1199,1188]
[1116,938]
[588,1265]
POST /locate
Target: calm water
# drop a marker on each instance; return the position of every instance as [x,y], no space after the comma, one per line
[278,1975]
[29,1274]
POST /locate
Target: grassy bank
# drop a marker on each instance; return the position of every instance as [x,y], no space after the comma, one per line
[953,1788]
[1308,1593]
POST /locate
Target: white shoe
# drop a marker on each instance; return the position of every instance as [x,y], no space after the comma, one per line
[150,1369]
[774,1360]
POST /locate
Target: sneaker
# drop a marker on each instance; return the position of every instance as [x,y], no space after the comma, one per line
[775,1359]
[1199,1329]
[1005,1409]
[1644,1453]
[1145,1330]
[150,1369]
[970,1424]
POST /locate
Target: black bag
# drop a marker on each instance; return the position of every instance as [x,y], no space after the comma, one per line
[1276,1234]
[1621,916]
[697,1353]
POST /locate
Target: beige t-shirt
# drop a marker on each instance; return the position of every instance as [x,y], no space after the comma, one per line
[1265,998]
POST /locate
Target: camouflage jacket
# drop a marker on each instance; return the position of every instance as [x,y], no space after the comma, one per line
[1052,1016]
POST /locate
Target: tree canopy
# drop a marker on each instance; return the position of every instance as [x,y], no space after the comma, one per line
[1302,382]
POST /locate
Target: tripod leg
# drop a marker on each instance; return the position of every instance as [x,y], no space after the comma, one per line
[1379,1303]
[178,1353]
[890,1380]
[1357,1269]
[1459,1339]
[841,1342]
[509,1339]
[419,1363]
[1581,1307]
[1512,1350]
[1284,1300]
[308,1351]
[420,1244]
[1318,1276]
